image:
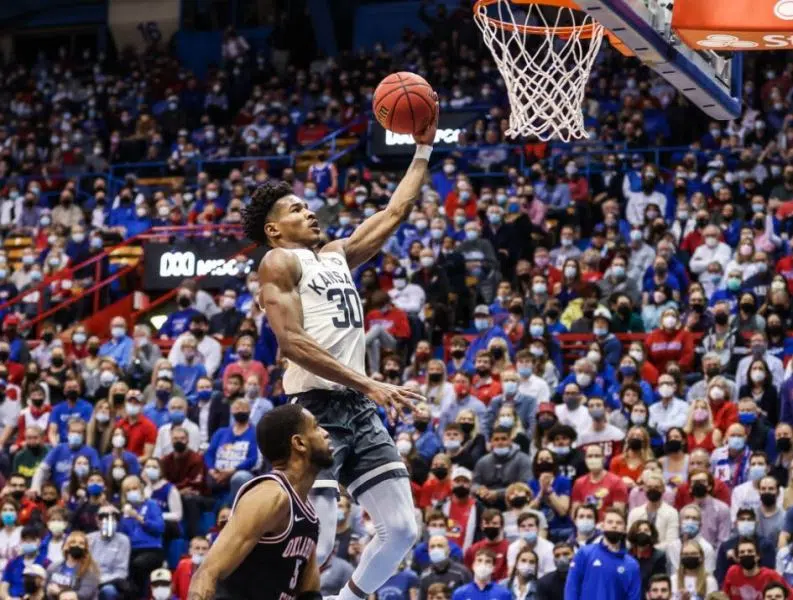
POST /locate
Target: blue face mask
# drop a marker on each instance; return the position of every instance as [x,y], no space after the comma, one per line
[94,489]
[204,394]
[75,440]
[9,518]
[757,472]
[747,418]
[536,330]
[736,443]
[482,324]
[560,450]
[177,416]
[501,451]
[134,496]
[510,387]
[29,547]
[689,528]
[525,371]
[529,536]
[628,371]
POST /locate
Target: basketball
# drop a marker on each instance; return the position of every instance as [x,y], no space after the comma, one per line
[404,103]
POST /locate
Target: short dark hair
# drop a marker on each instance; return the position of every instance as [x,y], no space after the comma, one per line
[254,216]
[746,512]
[30,531]
[275,430]
[523,517]
[659,578]
[500,429]
[775,585]
[491,513]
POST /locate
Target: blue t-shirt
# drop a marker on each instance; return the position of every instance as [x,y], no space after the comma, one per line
[60,460]
[559,528]
[398,586]
[63,413]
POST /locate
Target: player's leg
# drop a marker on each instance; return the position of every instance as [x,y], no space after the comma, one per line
[390,505]
[324,498]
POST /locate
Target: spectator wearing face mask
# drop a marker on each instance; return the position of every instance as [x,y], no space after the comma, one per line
[78,571]
[140,432]
[179,320]
[749,575]
[74,407]
[444,568]
[246,365]
[120,346]
[199,546]
[406,295]
[143,524]
[486,565]
[111,551]
[57,464]
[670,343]
[208,347]
[496,470]
[759,348]
[161,585]
[167,497]
[594,569]
[145,354]
[665,516]
[232,452]
[29,554]
[745,528]
[226,323]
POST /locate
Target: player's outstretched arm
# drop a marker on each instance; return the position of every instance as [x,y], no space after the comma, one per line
[373,233]
[279,273]
[265,509]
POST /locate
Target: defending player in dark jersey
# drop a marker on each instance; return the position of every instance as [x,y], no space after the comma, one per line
[267,550]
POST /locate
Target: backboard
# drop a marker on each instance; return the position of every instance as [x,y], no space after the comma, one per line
[713,81]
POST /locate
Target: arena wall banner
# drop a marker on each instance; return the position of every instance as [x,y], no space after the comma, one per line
[387,143]
[140,23]
[166,265]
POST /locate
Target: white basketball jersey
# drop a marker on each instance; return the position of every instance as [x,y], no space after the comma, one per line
[332,316]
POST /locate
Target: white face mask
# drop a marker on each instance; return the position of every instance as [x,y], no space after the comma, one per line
[161,592]
[483,572]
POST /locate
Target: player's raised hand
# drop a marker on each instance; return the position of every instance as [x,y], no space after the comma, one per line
[393,397]
[427,136]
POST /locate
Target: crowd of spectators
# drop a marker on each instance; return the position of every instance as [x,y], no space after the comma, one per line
[656,442]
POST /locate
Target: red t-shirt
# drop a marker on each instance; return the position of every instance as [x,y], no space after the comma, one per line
[498,548]
[434,491]
[602,494]
[740,587]
[395,322]
[459,513]
[485,391]
[724,415]
[139,433]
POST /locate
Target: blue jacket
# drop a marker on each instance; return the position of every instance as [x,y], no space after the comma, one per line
[120,351]
[62,413]
[178,322]
[60,460]
[229,451]
[428,444]
[481,341]
[12,574]
[147,534]
[492,591]
[130,460]
[597,572]
[421,555]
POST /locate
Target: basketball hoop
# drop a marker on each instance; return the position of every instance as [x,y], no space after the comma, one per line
[544,50]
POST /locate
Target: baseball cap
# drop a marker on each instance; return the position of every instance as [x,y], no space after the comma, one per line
[35,570]
[482,309]
[461,472]
[546,407]
[161,576]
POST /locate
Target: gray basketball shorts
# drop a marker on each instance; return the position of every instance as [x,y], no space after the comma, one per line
[364,453]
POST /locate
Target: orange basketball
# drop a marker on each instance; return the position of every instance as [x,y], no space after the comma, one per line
[404,103]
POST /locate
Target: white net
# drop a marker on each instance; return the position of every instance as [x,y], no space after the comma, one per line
[545,54]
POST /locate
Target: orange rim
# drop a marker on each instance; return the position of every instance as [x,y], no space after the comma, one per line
[584,31]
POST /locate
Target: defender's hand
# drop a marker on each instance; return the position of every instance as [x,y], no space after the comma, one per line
[392,397]
[427,137]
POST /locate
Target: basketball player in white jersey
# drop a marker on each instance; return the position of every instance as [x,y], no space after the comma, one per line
[314,309]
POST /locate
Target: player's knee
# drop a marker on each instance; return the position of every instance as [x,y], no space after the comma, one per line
[403,531]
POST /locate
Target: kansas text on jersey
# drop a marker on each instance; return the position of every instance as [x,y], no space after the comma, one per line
[332,316]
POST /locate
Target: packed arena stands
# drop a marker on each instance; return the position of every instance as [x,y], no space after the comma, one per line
[595,325]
